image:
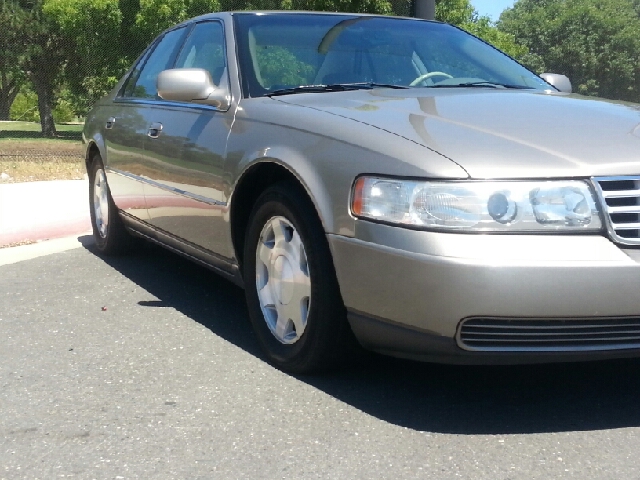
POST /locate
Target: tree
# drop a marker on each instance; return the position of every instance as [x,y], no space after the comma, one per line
[462,14]
[12,77]
[155,16]
[455,12]
[43,60]
[92,66]
[129,43]
[484,28]
[362,6]
[101,38]
[594,42]
[31,51]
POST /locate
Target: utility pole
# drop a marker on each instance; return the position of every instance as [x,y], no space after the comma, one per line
[425,9]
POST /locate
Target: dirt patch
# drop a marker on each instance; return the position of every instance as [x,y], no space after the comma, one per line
[35,160]
[43,146]
[18,244]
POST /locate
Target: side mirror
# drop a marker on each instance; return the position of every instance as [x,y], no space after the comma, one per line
[561,82]
[192,85]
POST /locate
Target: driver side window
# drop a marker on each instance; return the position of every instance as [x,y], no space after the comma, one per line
[205,49]
[160,59]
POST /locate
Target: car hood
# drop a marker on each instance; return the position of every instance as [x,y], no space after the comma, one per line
[499,133]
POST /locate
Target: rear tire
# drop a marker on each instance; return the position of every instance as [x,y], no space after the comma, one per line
[110,235]
[293,297]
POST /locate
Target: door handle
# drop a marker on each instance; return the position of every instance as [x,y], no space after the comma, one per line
[110,123]
[154,130]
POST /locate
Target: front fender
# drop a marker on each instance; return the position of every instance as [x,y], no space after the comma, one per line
[302,169]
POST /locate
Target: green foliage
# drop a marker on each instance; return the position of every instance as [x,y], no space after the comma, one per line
[129,47]
[455,12]
[594,42]
[103,37]
[12,38]
[91,65]
[155,16]
[25,108]
[44,59]
[87,45]
[484,28]
[362,6]
[462,14]
[63,112]
[194,8]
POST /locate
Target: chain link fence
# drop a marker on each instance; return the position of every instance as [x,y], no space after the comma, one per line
[27,159]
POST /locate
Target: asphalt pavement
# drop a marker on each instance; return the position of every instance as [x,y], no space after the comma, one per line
[145,367]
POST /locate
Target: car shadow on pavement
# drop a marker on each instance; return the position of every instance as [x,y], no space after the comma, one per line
[425,397]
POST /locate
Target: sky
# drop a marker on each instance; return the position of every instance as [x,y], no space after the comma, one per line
[492,8]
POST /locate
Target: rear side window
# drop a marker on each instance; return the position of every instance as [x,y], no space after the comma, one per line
[205,49]
[161,58]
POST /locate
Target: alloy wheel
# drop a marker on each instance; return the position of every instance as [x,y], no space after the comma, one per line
[282,280]
[101,202]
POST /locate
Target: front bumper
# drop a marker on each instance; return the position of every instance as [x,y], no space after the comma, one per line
[408,291]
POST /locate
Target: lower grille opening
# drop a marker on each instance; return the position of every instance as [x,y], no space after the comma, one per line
[549,335]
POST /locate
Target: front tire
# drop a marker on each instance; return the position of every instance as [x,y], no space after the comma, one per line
[109,233]
[293,297]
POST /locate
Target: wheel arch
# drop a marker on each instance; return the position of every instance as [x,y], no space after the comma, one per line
[94,145]
[255,179]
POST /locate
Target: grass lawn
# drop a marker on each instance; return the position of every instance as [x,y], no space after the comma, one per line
[35,127]
[25,156]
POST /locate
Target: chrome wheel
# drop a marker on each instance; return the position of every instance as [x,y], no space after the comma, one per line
[282,280]
[101,203]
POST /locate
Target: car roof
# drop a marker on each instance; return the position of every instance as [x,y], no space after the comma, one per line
[214,15]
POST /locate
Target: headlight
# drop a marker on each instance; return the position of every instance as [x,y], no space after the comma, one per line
[566,205]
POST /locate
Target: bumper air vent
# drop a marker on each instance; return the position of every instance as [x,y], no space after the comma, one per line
[549,335]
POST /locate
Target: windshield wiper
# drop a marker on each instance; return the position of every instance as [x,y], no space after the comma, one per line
[371,85]
[335,87]
[482,84]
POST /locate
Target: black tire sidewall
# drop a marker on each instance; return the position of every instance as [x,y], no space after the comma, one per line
[311,352]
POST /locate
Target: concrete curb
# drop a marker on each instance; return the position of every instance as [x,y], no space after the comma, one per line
[34,211]
[21,253]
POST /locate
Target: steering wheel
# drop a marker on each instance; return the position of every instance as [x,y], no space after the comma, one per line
[427,76]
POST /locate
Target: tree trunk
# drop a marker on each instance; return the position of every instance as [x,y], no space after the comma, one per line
[45,105]
[6,100]
[5,108]
[45,56]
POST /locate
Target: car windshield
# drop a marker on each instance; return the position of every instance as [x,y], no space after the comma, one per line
[280,52]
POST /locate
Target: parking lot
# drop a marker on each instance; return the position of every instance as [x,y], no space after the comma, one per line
[145,367]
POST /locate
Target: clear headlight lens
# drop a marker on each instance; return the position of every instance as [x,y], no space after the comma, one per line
[478,206]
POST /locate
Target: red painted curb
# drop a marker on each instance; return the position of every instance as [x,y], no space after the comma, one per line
[46,232]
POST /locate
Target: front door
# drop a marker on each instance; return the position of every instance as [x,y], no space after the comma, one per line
[185,148]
